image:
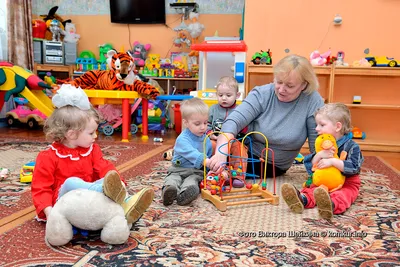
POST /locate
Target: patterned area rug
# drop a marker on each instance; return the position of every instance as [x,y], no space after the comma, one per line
[14,154]
[368,234]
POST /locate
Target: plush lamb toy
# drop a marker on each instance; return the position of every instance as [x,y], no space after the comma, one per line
[86,210]
[70,33]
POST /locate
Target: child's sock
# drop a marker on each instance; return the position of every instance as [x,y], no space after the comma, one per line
[134,206]
[293,198]
[113,187]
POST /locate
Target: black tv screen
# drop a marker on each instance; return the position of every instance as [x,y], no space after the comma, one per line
[137,11]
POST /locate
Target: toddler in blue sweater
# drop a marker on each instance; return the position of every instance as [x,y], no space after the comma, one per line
[186,172]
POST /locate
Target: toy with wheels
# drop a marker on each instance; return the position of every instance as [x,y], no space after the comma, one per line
[108,127]
[263,57]
[23,114]
[356,133]
[25,175]
[382,61]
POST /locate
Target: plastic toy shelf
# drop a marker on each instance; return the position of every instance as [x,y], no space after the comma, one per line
[99,97]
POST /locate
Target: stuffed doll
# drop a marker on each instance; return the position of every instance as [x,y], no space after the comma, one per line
[139,53]
[120,77]
[70,33]
[318,59]
[330,177]
[86,210]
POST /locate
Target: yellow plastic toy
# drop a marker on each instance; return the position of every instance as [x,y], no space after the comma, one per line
[153,61]
[329,177]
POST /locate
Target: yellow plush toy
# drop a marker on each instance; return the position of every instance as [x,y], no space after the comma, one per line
[329,177]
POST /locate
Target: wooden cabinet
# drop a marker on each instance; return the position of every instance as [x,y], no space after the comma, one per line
[183,85]
[378,115]
[58,71]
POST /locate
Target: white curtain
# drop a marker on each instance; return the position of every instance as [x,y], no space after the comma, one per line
[3,28]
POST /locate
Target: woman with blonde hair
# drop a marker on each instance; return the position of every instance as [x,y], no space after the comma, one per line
[283,111]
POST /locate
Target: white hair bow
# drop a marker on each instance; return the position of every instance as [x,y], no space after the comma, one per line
[70,95]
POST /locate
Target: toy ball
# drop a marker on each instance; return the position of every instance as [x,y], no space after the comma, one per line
[217,188]
[201,185]
[213,182]
[223,189]
[234,173]
[255,186]
[264,185]
[213,186]
[213,192]
[216,178]
[249,186]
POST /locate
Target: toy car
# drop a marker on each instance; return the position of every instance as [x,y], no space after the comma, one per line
[356,133]
[24,114]
[25,175]
[263,57]
[383,61]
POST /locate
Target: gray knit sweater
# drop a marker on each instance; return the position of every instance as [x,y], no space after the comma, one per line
[286,125]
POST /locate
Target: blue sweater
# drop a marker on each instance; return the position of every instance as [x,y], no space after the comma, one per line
[188,150]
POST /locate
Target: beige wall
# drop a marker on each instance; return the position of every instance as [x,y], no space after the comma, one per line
[96,30]
[306,25]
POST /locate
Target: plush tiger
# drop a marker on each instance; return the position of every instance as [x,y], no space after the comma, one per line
[120,77]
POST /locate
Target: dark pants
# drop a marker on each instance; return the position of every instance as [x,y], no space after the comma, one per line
[255,168]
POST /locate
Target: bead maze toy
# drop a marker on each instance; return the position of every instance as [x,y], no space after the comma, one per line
[217,186]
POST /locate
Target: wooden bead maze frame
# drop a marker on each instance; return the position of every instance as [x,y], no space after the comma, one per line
[258,193]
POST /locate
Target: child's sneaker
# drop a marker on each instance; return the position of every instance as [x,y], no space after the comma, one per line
[188,195]
[324,203]
[113,187]
[169,194]
[136,205]
[292,198]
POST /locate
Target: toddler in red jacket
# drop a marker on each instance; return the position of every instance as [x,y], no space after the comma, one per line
[75,161]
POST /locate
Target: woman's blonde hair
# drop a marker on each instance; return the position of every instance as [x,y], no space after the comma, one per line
[300,65]
[228,81]
[68,118]
[193,106]
[337,112]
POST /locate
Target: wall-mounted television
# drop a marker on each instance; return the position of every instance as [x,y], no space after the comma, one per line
[137,11]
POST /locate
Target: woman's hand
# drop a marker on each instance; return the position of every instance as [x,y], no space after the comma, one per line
[217,161]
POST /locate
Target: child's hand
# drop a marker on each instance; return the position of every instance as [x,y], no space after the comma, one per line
[325,163]
[213,137]
[208,163]
[326,154]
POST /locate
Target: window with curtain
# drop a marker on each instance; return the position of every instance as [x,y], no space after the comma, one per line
[3,29]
